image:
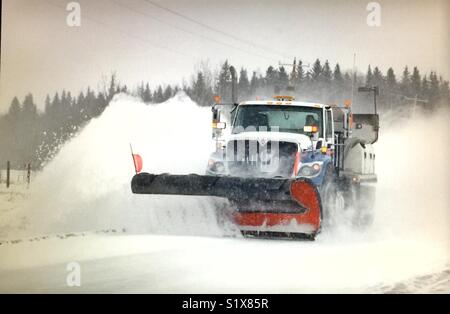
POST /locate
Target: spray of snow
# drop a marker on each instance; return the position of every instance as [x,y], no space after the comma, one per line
[87,185]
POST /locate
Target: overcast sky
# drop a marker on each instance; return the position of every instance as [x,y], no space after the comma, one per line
[139,41]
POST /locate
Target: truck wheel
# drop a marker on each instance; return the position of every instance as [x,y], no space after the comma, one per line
[333,200]
[361,199]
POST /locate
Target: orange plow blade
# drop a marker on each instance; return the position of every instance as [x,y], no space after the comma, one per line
[263,206]
[285,221]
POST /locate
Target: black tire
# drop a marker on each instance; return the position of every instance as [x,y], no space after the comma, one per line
[361,200]
[333,200]
[268,235]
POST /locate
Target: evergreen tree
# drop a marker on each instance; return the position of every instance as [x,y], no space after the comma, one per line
[378,79]
[158,96]
[55,111]
[48,104]
[425,88]
[28,129]
[29,109]
[198,89]
[223,88]
[12,127]
[271,77]
[112,87]
[254,84]
[293,76]
[201,92]
[405,83]
[300,73]
[65,107]
[15,108]
[316,72]
[147,94]
[167,93]
[445,92]
[416,82]
[243,84]
[101,103]
[369,76]
[434,89]
[338,84]
[90,107]
[337,75]
[141,90]
[391,81]
[283,78]
[326,73]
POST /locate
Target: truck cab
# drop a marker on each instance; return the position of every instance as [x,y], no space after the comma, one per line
[274,138]
[282,137]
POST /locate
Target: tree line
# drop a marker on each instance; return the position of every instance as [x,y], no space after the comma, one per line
[322,82]
[30,135]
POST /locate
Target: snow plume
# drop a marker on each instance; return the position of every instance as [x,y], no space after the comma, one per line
[412,208]
[87,185]
[413,168]
[412,205]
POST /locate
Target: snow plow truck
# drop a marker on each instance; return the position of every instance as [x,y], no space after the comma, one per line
[288,168]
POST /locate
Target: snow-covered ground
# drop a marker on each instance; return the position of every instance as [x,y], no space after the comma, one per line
[177,264]
[80,209]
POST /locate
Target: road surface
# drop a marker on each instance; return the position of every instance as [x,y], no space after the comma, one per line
[180,264]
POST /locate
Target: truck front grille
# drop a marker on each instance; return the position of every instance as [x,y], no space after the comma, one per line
[260,159]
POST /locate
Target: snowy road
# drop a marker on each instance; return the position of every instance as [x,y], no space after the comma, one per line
[174,264]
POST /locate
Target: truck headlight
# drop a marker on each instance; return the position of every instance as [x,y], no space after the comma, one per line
[220,168]
[310,169]
[216,166]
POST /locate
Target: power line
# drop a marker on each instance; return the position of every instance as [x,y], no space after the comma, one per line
[125,33]
[190,32]
[185,17]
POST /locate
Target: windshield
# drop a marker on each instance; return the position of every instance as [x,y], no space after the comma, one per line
[290,119]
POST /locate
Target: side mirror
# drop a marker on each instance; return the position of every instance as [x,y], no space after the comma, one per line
[319,145]
[366,127]
[310,129]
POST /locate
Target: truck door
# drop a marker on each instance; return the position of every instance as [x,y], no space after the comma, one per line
[329,131]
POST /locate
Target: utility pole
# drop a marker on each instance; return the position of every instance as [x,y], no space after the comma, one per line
[353,77]
[294,74]
[233,85]
[8,169]
[28,174]
[415,100]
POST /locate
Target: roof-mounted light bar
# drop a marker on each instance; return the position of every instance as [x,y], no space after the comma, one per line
[284,98]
